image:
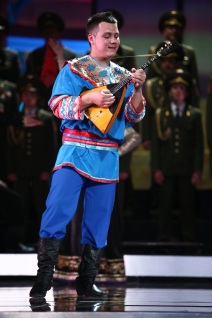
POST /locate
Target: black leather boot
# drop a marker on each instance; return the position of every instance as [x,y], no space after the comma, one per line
[88,270]
[48,250]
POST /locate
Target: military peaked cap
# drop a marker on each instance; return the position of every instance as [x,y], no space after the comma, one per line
[31,83]
[172,17]
[48,19]
[178,76]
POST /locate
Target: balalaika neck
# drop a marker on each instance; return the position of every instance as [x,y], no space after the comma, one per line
[127,79]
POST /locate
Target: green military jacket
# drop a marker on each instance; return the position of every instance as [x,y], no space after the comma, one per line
[8,108]
[208,120]
[31,150]
[156,97]
[177,144]
[10,68]
[189,63]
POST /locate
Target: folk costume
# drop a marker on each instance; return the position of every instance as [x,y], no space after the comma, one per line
[87,159]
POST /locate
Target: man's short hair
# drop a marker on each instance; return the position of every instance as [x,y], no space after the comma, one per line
[97,18]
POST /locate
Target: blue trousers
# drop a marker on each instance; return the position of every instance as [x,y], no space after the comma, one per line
[62,201]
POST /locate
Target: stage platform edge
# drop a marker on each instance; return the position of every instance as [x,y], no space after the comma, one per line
[135,265]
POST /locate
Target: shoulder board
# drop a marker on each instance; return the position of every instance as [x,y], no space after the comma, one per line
[187,47]
[194,109]
[8,83]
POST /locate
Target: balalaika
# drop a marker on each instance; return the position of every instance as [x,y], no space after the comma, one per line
[103,118]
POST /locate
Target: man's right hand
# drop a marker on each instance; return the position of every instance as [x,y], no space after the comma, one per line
[102,98]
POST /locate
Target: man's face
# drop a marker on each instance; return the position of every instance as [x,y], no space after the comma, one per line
[178,93]
[30,99]
[168,64]
[172,32]
[51,33]
[104,40]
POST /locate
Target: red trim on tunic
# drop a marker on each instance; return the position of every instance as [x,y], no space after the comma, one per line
[88,135]
[84,174]
[89,142]
[133,107]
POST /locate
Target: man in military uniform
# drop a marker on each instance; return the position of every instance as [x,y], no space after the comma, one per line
[208,121]
[171,25]
[10,68]
[177,156]
[31,154]
[156,95]
[8,108]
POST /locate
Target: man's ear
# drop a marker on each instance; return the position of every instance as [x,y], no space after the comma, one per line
[90,38]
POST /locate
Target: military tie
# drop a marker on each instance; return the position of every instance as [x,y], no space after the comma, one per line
[177,113]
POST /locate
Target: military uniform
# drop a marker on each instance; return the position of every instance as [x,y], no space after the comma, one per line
[9,76]
[189,63]
[177,151]
[30,153]
[8,107]
[10,68]
[156,97]
[208,120]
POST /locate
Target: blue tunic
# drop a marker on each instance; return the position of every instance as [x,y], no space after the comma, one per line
[85,148]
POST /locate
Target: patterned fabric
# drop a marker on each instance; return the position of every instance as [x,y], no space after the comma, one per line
[88,68]
[77,76]
[84,139]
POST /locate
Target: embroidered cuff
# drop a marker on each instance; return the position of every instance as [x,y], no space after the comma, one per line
[133,107]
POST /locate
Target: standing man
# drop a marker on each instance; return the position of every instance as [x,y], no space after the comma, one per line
[87,159]
[171,25]
[46,61]
[31,154]
[177,156]
[10,66]
[114,262]
[10,73]
[208,121]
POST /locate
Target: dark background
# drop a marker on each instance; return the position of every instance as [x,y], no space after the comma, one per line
[140,29]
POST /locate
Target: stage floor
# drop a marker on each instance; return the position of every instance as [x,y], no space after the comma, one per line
[129,299]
